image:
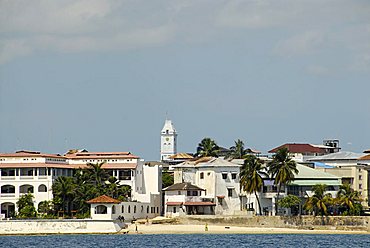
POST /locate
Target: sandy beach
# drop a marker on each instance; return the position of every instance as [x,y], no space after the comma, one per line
[217,229]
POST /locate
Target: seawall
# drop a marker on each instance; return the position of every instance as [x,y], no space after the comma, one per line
[355,223]
[56,226]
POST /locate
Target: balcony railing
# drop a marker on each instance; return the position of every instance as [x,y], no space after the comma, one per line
[7,195]
[7,177]
[124,177]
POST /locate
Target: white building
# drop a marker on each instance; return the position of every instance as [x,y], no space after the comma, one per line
[168,141]
[25,171]
[350,167]
[218,177]
[34,172]
[186,199]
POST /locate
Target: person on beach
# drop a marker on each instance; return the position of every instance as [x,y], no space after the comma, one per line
[136,228]
[206,227]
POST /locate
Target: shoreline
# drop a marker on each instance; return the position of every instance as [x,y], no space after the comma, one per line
[228,229]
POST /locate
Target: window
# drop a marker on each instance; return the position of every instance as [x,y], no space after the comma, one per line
[209,173]
[360,177]
[157,210]
[188,193]
[174,210]
[113,209]
[129,209]
[179,192]
[360,186]
[229,192]
[134,209]
[123,209]
[42,188]
[224,175]
[195,193]
[202,175]
[100,209]
[233,176]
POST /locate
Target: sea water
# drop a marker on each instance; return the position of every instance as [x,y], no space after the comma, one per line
[188,240]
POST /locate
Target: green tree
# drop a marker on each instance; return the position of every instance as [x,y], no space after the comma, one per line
[349,199]
[26,209]
[64,188]
[207,148]
[167,179]
[289,201]
[237,151]
[282,169]
[96,174]
[319,202]
[251,180]
[45,207]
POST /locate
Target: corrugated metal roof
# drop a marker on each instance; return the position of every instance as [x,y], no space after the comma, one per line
[338,156]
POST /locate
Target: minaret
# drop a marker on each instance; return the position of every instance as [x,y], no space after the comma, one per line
[168,140]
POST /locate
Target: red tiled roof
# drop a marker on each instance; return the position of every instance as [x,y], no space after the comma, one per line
[366,157]
[30,154]
[109,166]
[199,204]
[103,199]
[299,148]
[100,155]
[173,203]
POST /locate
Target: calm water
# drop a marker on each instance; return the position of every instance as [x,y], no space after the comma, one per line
[199,240]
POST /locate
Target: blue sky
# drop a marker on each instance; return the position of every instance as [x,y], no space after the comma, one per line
[101,74]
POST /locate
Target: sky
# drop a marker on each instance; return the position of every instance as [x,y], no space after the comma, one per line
[103,75]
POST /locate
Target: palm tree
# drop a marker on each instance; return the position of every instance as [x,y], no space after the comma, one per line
[319,202]
[207,148]
[237,151]
[64,188]
[251,180]
[282,168]
[348,197]
[96,174]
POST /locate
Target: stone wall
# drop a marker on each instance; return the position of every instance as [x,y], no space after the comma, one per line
[303,222]
[59,226]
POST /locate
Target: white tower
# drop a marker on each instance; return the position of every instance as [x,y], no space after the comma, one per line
[168,140]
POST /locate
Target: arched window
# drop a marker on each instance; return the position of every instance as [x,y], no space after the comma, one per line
[113,209]
[26,188]
[42,188]
[100,209]
[7,189]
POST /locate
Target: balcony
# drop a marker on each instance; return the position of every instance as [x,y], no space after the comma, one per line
[5,178]
[7,195]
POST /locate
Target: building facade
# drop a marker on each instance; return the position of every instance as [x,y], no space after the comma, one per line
[168,141]
[26,171]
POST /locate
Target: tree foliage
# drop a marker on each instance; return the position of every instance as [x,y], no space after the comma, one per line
[319,202]
[289,201]
[251,180]
[207,148]
[237,151]
[26,209]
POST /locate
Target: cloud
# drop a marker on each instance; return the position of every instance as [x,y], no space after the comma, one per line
[294,28]
[301,44]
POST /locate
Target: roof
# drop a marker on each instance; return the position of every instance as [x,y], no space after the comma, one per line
[24,153]
[367,151]
[299,148]
[182,186]
[181,156]
[338,156]
[173,203]
[305,172]
[109,166]
[366,157]
[99,155]
[168,127]
[207,162]
[103,199]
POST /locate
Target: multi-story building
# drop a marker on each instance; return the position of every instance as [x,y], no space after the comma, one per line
[218,177]
[168,141]
[300,152]
[348,166]
[25,171]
